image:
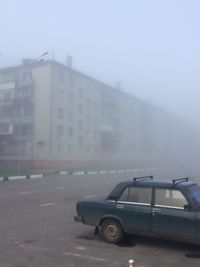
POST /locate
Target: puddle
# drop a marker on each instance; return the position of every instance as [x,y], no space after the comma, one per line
[193,255]
[127,242]
[29,241]
[86,237]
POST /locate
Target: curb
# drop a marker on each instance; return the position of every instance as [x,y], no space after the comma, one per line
[35,176]
[12,178]
[42,175]
[21,177]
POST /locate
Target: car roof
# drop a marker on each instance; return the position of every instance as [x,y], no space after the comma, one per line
[176,184]
[159,183]
[163,183]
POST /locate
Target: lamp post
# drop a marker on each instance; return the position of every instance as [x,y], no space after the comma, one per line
[20,135]
[39,59]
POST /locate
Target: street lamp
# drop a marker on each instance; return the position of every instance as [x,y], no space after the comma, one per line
[40,57]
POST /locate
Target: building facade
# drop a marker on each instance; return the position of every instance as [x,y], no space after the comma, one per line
[52,116]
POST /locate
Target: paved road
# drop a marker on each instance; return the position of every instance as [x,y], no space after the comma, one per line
[37,227]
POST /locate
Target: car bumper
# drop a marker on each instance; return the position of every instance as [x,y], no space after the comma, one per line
[78,219]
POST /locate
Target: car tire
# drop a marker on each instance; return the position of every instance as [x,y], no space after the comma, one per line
[112,231]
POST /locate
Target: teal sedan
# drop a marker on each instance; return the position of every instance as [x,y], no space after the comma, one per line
[146,207]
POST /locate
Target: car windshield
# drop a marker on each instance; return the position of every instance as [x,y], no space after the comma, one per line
[194,193]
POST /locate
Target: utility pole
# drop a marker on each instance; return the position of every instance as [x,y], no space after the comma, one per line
[20,134]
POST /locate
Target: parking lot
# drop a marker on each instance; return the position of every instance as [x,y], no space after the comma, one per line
[37,227]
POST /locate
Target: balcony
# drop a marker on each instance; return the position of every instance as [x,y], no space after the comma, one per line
[25,83]
[8,101]
[4,138]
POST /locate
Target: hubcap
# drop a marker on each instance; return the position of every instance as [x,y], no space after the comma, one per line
[111,231]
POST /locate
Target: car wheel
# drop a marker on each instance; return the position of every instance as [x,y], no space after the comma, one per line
[111,231]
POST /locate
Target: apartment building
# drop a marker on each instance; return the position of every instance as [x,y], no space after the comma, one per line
[52,116]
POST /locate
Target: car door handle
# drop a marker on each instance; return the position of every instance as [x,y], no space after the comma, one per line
[156,211]
[119,206]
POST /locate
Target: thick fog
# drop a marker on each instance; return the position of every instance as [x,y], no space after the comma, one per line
[151,47]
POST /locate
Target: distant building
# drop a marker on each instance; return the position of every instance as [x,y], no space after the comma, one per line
[52,116]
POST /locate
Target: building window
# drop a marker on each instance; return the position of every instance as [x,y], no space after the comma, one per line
[60,131]
[61,92]
[88,119]
[80,92]
[69,149]
[71,80]
[95,136]
[60,148]
[7,77]
[89,134]
[61,76]
[80,125]
[71,98]
[88,149]
[60,113]
[17,129]
[80,141]
[96,105]
[27,129]
[95,120]
[88,103]
[95,150]
[23,129]
[88,86]
[71,132]
[80,108]
[27,76]
[70,115]
[4,128]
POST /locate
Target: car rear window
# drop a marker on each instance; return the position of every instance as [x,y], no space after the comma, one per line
[194,193]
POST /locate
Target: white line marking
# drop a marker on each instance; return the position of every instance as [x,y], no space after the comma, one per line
[63,172]
[103,172]
[92,172]
[88,184]
[66,253]
[79,173]
[89,196]
[85,256]
[34,248]
[80,248]
[25,193]
[35,176]
[16,177]
[47,204]
[112,171]
[60,188]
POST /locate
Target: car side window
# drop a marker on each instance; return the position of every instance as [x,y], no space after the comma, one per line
[170,198]
[140,195]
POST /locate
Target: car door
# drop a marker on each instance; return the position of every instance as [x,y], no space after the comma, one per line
[170,218]
[134,209]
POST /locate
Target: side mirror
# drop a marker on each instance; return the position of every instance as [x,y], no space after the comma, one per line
[187,207]
[112,198]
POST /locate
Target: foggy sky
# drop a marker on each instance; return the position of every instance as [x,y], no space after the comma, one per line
[151,47]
